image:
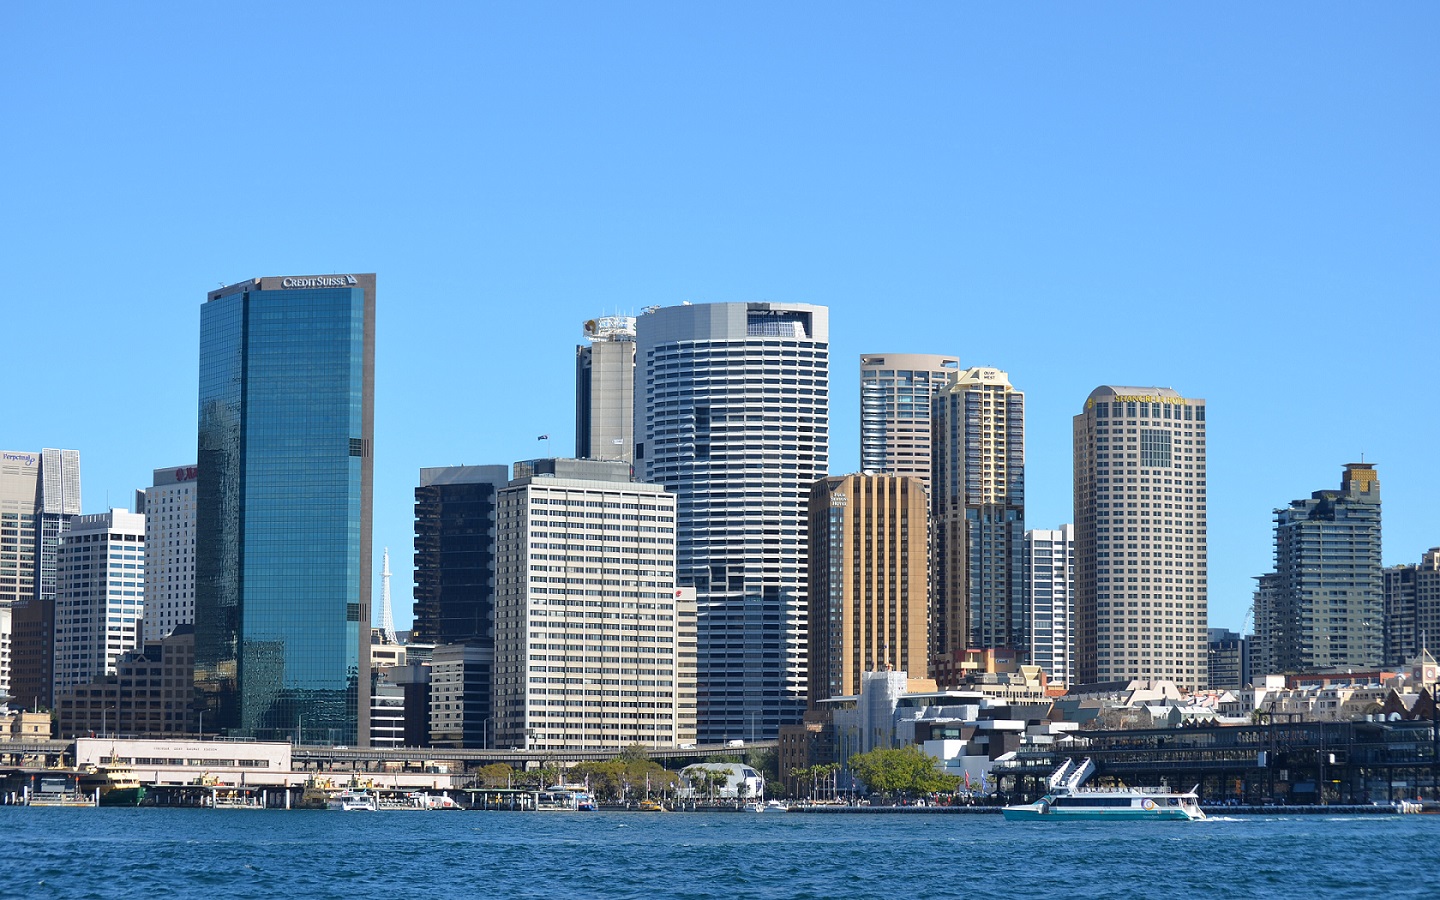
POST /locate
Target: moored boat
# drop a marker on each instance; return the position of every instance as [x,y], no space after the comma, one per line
[121,786]
[565,799]
[354,801]
[1068,799]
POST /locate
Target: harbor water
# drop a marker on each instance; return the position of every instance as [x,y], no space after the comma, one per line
[181,853]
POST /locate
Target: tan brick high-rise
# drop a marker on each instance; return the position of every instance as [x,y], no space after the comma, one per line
[868,593]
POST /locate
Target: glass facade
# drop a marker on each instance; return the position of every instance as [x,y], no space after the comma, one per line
[455,554]
[283,554]
[732,415]
[896,392]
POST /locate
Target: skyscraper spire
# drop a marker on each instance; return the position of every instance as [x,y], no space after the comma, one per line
[387,615]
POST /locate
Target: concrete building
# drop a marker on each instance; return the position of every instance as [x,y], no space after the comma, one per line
[1140,551]
[149,693]
[20,501]
[1412,608]
[1228,660]
[1402,633]
[39,496]
[1262,654]
[413,680]
[1427,603]
[965,730]
[732,416]
[588,621]
[169,508]
[978,514]
[460,684]
[284,507]
[5,633]
[868,580]
[1050,601]
[387,711]
[100,596]
[896,392]
[1329,598]
[605,390]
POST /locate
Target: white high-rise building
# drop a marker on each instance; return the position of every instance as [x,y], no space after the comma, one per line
[1141,602]
[100,595]
[896,390]
[591,635]
[169,551]
[1050,600]
[732,408]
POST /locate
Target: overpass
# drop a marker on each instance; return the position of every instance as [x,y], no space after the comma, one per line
[322,758]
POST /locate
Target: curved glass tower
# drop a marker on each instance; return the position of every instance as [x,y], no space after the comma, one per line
[732,414]
[282,587]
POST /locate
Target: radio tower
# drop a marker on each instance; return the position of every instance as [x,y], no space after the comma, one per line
[387,616]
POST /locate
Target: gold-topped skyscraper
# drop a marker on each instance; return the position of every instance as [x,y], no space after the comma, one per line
[977,505]
[1140,537]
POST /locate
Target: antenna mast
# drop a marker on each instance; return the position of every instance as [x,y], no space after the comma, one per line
[387,615]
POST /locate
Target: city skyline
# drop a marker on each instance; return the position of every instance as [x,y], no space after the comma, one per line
[1056,178]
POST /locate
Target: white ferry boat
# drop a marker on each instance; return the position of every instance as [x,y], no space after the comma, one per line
[1066,799]
[355,801]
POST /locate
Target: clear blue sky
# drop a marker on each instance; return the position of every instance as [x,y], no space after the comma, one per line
[1235,200]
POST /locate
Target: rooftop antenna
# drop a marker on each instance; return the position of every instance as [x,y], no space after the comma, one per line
[387,616]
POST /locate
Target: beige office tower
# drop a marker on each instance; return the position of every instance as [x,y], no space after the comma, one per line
[868,597]
[896,390]
[1140,537]
[39,497]
[594,644]
[19,524]
[169,508]
[605,390]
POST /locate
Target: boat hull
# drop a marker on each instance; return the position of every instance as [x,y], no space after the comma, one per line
[123,796]
[1033,813]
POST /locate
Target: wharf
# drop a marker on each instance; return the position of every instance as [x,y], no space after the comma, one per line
[1349,809]
[1309,809]
[899,810]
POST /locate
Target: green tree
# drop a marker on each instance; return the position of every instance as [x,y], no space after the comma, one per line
[795,780]
[495,775]
[903,771]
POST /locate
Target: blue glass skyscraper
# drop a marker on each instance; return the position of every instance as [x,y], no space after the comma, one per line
[283,519]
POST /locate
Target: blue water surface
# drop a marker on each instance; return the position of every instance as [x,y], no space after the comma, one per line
[143,853]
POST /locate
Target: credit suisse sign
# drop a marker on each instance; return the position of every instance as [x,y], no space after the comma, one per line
[320,281]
